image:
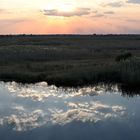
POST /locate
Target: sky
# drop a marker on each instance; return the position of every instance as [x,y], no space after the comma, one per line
[69,16]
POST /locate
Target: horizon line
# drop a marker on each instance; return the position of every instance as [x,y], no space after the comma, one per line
[94,34]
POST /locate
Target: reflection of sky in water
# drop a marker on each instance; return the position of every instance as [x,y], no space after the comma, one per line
[32,106]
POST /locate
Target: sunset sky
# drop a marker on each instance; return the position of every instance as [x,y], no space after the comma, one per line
[69,16]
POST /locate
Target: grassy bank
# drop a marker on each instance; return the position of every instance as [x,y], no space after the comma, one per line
[71,60]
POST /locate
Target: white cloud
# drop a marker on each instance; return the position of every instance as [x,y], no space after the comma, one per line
[76,12]
[134,1]
[114,4]
[109,12]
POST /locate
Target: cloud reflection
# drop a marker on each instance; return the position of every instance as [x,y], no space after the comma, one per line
[23,122]
[93,112]
[40,91]
[49,105]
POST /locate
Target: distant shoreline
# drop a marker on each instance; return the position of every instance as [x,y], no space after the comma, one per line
[94,34]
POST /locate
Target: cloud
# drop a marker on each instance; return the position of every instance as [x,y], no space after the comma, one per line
[98,15]
[1,10]
[134,1]
[133,20]
[109,12]
[76,12]
[113,4]
[13,21]
[5,11]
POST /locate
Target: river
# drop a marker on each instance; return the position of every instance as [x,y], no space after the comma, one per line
[42,112]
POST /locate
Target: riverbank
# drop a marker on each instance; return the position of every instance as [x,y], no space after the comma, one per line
[71,60]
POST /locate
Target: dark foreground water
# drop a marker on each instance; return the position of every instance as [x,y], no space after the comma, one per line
[41,112]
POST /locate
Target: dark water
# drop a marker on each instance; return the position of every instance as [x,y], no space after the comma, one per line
[41,112]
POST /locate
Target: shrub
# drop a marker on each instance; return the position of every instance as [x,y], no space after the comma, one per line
[123,57]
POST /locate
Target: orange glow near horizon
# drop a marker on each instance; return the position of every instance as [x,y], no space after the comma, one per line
[69,17]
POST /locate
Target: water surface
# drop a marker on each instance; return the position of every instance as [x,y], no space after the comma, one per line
[42,112]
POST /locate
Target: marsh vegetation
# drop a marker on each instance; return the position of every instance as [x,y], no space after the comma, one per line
[71,60]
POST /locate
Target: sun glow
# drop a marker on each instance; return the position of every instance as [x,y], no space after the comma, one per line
[66,7]
[61,7]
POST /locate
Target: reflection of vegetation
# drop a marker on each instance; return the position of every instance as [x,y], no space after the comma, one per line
[130,91]
[71,60]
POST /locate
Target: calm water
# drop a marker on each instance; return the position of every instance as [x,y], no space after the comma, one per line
[41,112]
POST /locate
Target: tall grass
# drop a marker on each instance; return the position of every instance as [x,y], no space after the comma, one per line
[125,72]
[71,60]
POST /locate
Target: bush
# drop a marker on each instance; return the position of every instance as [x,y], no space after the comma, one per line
[123,57]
